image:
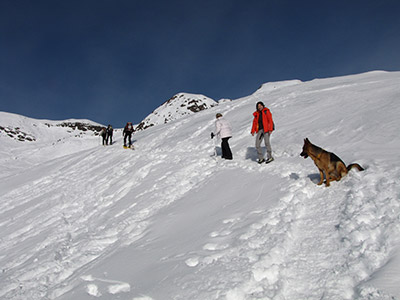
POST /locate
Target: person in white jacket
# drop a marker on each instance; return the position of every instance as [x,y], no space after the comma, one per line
[223,130]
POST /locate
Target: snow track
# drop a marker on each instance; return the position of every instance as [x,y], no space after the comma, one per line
[316,243]
[90,204]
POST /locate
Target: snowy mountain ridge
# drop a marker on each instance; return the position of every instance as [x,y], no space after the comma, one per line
[170,221]
[271,86]
[14,126]
[47,139]
[182,104]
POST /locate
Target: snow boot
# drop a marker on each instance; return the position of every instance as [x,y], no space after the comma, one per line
[270,159]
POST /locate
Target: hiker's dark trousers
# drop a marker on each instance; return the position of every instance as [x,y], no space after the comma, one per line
[226,150]
[129,136]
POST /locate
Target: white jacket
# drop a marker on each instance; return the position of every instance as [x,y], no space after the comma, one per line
[223,128]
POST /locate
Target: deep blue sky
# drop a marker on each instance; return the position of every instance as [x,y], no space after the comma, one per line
[114,61]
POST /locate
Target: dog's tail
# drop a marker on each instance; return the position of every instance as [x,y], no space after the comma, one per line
[359,168]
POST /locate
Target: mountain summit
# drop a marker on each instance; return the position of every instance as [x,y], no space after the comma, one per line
[178,106]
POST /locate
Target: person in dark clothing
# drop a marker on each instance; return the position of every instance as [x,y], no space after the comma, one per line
[103,134]
[127,133]
[110,131]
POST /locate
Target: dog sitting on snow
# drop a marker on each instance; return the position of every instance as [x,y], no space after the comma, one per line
[327,163]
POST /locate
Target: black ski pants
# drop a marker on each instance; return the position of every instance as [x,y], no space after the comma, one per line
[129,136]
[226,150]
[109,138]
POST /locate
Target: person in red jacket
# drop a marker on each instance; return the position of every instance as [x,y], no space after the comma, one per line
[263,125]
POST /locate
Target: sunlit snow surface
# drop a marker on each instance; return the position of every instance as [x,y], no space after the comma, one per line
[168,221]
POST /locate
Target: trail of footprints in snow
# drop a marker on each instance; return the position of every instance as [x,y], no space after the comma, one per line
[260,239]
[269,243]
[263,233]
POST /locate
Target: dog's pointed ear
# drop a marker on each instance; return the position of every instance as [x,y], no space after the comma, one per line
[307,140]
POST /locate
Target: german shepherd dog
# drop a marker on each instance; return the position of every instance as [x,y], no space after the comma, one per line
[327,162]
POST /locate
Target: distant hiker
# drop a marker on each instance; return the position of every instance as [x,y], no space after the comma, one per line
[263,125]
[110,131]
[223,129]
[127,133]
[103,134]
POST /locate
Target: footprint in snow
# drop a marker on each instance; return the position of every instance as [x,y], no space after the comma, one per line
[114,287]
[215,234]
[119,288]
[192,262]
[93,290]
[215,247]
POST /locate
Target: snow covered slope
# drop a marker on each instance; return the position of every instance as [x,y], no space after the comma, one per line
[168,221]
[26,141]
[178,106]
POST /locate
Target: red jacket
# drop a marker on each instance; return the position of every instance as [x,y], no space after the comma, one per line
[267,121]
